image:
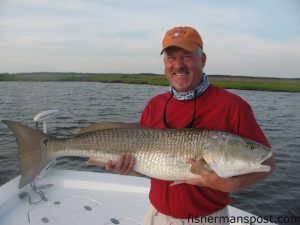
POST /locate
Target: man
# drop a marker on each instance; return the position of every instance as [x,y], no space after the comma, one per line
[193,103]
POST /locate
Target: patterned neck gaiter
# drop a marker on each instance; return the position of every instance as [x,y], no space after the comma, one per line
[200,89]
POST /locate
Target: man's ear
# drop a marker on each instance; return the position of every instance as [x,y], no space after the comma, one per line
[203,59]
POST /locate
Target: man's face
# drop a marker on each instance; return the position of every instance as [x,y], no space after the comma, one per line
[183,69]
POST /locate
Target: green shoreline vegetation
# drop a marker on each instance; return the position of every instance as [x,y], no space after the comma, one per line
[224,81]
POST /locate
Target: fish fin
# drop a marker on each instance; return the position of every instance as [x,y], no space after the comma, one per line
[176,182]
[107,125]
[33,154]
[200,167]
[93,161]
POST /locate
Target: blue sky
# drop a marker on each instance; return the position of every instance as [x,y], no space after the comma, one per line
[253,38]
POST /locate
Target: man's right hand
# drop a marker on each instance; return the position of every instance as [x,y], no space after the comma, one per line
[123,165]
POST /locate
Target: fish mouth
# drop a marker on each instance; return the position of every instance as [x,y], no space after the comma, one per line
[263,158]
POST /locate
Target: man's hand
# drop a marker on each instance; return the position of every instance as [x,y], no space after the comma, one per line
[123,165]
[212,180]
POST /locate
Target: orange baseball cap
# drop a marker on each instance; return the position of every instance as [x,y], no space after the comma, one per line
[183,37]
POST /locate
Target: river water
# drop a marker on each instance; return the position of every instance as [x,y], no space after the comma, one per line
[83,103]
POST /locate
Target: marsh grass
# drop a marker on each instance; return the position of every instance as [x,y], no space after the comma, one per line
[262,84]
[229,82]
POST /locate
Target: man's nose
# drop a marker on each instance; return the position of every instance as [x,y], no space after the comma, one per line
[179,63]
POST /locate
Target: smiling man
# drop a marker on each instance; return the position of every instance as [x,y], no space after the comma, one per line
[193,102]
[184,60]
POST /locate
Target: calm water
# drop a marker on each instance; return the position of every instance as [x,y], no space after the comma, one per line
[83,103]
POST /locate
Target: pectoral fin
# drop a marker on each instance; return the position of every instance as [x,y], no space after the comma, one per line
[200,167]
[95,162]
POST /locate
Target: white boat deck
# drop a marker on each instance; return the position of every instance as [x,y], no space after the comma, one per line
[79,198]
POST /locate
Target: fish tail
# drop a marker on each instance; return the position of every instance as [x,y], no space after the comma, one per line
[33,154]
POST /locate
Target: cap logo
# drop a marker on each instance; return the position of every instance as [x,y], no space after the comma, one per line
[177,33]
